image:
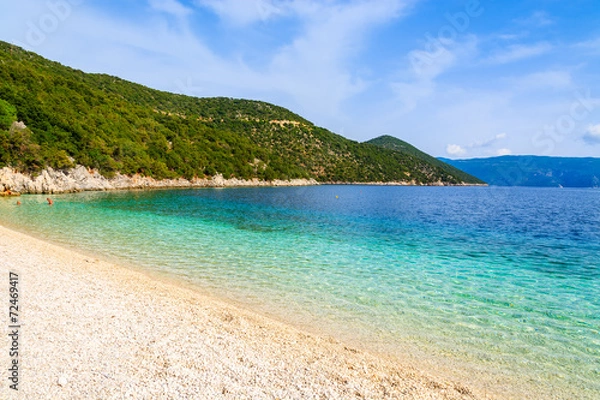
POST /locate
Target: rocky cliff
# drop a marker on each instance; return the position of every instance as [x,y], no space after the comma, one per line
[83,179]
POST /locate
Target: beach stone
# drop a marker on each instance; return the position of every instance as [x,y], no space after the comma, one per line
[62,381]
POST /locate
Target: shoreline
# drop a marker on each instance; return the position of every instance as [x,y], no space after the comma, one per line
[81,179]
[96,329]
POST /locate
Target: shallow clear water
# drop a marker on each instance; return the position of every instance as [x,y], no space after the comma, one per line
[501,279]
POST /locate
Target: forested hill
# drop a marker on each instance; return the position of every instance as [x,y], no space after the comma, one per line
[392,143]
[541,171]
[106,123]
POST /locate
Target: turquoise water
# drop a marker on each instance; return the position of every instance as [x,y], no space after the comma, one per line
[501,281]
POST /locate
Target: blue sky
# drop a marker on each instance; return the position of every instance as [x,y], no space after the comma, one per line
[455,78]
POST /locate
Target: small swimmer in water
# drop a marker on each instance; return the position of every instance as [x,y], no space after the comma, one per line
[50,202]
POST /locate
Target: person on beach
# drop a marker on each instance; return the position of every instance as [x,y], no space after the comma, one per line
[50,202]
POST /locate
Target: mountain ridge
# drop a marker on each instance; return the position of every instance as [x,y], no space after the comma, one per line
[530,170]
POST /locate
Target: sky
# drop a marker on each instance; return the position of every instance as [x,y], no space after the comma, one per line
[457,79]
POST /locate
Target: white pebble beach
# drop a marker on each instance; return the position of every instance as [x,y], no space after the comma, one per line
[90,329]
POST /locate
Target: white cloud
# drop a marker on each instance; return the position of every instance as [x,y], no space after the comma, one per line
[553,79]
[455,150]
[245,12]
[509,36]
[411,94]
[592,43]
[519,52]
[315,65]
[426,65]
[170,7]
[591,46]
[537,19]
[488,142]
[592,134]
[458,150]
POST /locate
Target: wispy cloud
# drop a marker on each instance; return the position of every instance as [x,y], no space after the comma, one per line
[421,83]
[245,12]
[536,19]
[488,142]
[315,66]
[592,135]
[459,150]
[554,79]
[591,46]
[519,52]
[429,63]
[509,36]
[172,7]
[426,65]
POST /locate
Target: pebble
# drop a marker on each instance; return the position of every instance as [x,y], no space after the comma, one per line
[62,381]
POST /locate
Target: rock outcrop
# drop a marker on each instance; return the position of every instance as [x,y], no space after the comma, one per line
[82,179]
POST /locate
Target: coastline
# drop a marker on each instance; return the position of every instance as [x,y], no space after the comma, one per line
[81,179]
[93,329]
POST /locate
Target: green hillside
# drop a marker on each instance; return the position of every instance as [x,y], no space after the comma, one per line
[106,123]
[392,143]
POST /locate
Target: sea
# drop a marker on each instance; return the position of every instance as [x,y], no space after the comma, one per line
[497,287]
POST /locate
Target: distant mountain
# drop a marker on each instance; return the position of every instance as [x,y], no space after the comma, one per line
[105,123]
[533,170]
[393,143]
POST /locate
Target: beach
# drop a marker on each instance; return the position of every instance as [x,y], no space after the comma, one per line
[92,329]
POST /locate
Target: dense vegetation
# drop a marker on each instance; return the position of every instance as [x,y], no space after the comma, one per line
[106,123]
[534,170]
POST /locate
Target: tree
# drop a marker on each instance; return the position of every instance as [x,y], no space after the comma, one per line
[8,115]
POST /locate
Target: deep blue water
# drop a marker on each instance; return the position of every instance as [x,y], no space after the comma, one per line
[500,279]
